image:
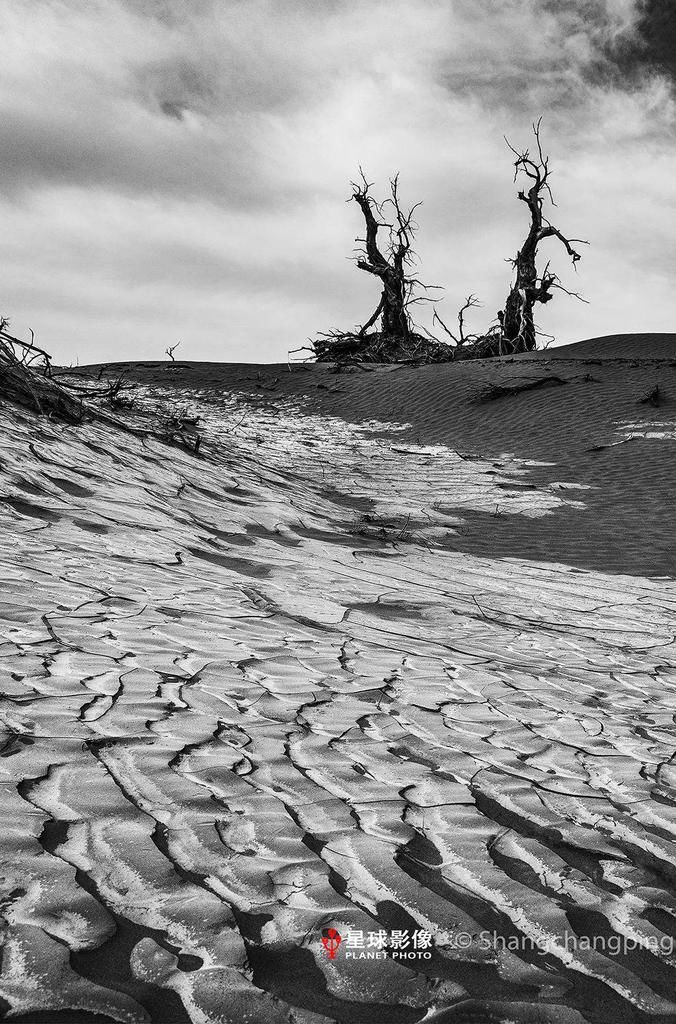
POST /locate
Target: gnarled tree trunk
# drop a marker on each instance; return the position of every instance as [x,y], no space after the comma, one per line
[390,269]
[517,322]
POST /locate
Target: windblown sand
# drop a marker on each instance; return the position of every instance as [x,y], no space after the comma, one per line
[391,654]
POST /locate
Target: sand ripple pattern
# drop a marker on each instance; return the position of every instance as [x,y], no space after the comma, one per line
[250,696]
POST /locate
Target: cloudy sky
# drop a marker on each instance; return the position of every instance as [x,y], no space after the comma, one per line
[177,170]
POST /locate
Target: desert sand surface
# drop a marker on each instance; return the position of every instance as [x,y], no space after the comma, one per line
[613,346]
[395,653]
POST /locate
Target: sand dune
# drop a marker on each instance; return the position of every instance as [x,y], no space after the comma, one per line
[615,346]
[392,655]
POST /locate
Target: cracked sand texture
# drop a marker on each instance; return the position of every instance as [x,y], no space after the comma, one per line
[251,695]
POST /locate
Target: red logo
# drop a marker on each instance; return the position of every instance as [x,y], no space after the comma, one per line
[331,941]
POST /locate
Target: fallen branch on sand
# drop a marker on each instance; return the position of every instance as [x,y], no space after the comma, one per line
[612,444]
[501,391]
[653,397]
[178,426]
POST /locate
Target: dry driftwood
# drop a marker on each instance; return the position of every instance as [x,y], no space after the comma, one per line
[352,347]
[26,378]
[347,347]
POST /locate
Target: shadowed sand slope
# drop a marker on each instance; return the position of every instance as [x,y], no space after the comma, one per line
[392,655]
[598,428]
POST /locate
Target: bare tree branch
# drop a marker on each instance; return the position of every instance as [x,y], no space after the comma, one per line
[437,319]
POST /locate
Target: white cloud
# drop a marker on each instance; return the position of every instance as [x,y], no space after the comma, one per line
[181,168]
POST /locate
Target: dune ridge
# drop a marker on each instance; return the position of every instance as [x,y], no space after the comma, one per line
[614,346]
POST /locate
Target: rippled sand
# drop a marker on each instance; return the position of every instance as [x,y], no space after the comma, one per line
[284,687]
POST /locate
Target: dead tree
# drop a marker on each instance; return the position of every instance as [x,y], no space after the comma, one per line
[391,267]
[395,338]
[518,333]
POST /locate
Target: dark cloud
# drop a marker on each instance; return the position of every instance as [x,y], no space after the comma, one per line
[658,28]
[549,56]
[652,48]
[127,159]
[175,85]
[174,108]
